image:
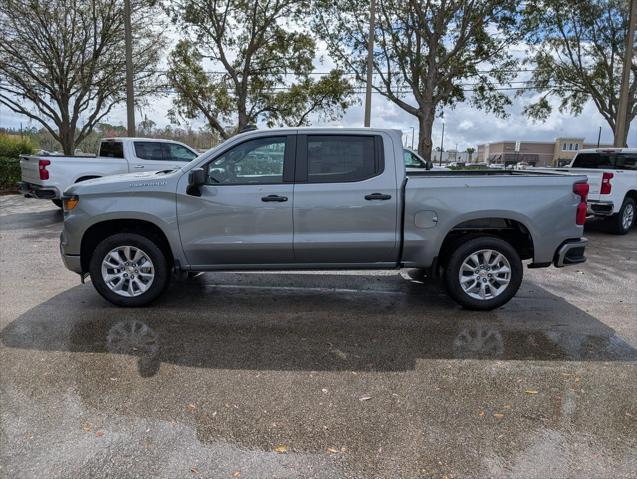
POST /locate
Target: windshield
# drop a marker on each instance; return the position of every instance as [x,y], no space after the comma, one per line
[606,160]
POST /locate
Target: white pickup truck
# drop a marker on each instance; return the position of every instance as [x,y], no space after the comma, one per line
[46,177]
[612,176]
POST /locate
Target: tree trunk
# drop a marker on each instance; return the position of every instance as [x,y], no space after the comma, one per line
[67,140]
[425,126]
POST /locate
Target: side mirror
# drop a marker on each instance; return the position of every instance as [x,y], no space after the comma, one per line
[196,178]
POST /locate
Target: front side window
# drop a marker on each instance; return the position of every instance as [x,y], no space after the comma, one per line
[180,153]
[340,158]
[259,161]
[411,160]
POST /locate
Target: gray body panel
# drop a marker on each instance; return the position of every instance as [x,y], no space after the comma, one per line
[325,225]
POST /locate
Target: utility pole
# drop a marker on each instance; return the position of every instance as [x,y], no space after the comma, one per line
[412,137]
[599,136]
[442,143]
[622,110]
[370,63]
[130,95]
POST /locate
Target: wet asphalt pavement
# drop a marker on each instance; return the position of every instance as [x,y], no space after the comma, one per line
[348,374]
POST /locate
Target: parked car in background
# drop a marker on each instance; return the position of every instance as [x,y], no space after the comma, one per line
[47,176]
[612,176]
[327,198]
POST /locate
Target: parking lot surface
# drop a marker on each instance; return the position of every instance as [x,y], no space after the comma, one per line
[334,374]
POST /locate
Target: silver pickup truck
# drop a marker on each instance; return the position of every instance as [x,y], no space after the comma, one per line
[321,199]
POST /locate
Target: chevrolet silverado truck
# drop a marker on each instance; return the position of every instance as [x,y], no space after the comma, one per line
[612,177]
[46,177]
[299,199]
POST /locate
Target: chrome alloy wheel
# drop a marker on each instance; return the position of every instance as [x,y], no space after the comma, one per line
[128,271]
[485,274]
[628,216]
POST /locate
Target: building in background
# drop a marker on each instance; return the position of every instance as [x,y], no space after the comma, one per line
[534,153]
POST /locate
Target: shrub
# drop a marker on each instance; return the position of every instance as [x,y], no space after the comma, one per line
[11,147]
[9,173]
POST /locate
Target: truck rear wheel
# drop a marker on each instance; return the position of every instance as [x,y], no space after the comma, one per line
[622,222]
[129,269]
[483,274]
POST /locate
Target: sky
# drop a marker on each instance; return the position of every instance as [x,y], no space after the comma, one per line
[465,126]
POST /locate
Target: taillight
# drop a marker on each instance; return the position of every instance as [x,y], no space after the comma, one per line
[606,186]
[44,173]
[581,189]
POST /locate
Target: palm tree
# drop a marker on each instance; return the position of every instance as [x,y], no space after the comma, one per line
[470,151]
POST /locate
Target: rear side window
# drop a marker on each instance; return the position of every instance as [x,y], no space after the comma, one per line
[112,149]
[601,160]
[342,158]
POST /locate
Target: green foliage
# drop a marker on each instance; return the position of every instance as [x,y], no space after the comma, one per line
[11,147]
[266,56]
[9,173]
[428,50]
[577,49]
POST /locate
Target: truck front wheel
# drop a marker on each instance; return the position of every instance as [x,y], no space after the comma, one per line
[129,269]
[483,274]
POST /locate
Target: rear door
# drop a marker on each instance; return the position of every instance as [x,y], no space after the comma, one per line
[244,214]
[345,200]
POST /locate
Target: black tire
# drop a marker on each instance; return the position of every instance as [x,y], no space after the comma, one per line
[57,203]
[460,254]
[150,248]
[616,222]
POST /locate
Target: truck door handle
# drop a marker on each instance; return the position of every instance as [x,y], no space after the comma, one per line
[277,198]
[377,196]
[138,166]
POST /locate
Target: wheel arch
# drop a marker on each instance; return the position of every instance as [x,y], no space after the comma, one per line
[103,229]
[513,231]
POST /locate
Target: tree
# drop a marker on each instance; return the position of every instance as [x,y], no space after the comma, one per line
[265,57]
[470,152]
[577,49]
[425,51]
[62,61]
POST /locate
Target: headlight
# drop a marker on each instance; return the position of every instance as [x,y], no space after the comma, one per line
[70,202]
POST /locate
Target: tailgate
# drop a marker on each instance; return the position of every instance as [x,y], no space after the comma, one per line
[30,169]
[594,180]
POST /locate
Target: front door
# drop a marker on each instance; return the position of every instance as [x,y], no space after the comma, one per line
[244,213]
[345,200]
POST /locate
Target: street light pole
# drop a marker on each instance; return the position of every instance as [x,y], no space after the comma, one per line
[622,110]
[412,137]
[442,143]
[130,95]
[370,63]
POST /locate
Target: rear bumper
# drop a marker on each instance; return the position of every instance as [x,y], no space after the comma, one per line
[600,208]
[30,190]
[570,252]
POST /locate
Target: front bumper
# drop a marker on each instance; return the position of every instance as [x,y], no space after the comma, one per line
[72,262]
[30,190]
[570,252]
